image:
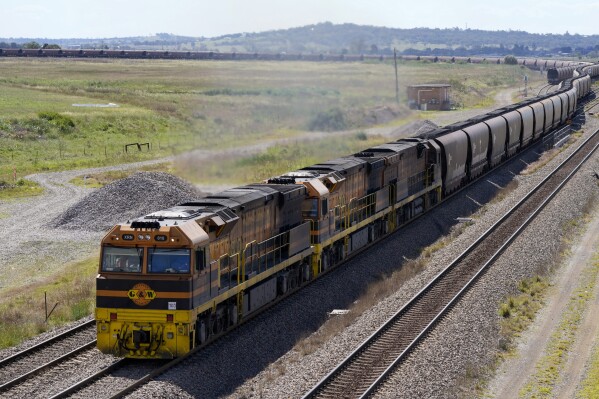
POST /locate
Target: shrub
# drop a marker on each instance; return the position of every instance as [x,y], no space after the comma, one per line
[510,60]
[64,123]
[361,136]
[330,120]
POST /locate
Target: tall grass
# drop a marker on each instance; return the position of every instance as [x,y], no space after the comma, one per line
[22,311]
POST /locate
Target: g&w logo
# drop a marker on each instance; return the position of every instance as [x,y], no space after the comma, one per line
[141,294]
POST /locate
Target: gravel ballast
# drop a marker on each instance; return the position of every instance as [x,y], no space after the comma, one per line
[261,359]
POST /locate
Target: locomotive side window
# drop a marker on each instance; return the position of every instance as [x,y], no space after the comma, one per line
[128,260]
[200,259]
[166,260]
[310,208]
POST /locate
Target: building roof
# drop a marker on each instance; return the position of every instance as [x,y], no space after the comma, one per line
[431,85]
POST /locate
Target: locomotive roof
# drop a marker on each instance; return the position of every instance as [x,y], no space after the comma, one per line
[245,197]
[226,203]
[339,165]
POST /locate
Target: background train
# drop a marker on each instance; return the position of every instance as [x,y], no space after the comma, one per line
[533,63]
[176,278]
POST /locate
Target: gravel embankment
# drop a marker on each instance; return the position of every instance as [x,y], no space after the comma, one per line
[138,194]
[261,359]
[36,246]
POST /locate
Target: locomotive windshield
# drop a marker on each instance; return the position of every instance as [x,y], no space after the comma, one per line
[116,259]
[165,260]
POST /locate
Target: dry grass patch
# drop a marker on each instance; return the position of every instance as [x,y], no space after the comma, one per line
[518,311]
[22,313]
[547,156]
[505,191]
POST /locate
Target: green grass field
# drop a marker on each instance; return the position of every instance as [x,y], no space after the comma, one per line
[179,105]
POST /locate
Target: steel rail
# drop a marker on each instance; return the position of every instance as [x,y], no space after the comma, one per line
[83,383]
[51,363]
[40,345]
[369,341]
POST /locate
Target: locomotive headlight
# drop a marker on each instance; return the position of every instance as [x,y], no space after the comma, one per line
[170,335]
[140,237]
[148,236]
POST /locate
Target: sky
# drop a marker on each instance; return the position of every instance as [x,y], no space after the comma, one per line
[120,18]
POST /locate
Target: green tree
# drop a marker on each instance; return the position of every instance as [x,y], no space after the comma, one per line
[31,45]
[510,60]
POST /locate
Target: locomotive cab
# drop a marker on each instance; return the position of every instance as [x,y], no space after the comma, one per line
[145,288]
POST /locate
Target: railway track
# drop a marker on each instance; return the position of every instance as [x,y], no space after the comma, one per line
[118,379]
[25,365]
[591,106]
[33,371]
[365,369]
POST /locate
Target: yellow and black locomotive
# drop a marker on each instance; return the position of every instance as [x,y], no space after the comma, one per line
[174,278]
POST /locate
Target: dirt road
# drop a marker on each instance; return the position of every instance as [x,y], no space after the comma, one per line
[514,373]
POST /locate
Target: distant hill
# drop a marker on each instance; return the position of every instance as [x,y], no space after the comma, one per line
[329,38]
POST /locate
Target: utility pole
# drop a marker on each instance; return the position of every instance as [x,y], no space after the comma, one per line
[396,79]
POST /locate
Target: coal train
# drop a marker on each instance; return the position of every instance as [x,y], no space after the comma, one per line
[176,278]
[533,63]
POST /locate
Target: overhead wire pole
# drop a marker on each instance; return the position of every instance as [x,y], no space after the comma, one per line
[396,79]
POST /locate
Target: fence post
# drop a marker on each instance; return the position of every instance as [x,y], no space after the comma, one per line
[46,307]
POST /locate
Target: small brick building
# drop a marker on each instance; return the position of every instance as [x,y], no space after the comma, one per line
[429,97]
